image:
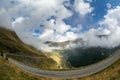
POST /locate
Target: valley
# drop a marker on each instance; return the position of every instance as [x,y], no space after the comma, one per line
[56,60]
[75,54]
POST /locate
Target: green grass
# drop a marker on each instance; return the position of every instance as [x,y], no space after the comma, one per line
[10,43]
[34,61]
[9,72]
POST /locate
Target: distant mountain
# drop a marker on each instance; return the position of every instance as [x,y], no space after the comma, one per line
[78,41]
[75,53]
[102,36]
[78,57]
[10,43]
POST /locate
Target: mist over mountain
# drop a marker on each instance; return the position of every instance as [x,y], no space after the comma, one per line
[77,53]
[67,44]
[36,22]
[80,43]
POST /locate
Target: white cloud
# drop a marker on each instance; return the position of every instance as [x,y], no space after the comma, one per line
[82,7]
[111,22]
[62,27]
[89,0]
[77,29]
[112,19]
[108,5]
[66,37]
[28,15]
[57,25]
[4,18]
[19,20]
[50,35]
[47,35]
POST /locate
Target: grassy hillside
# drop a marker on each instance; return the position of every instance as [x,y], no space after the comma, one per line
[10,72]
[10,43]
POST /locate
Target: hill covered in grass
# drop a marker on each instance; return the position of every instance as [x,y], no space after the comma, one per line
[10,72]
[10,43]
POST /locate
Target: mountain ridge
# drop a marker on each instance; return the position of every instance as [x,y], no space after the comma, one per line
[78,41]
[10,43]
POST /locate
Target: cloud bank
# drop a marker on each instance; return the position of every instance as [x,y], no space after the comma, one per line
[38,21]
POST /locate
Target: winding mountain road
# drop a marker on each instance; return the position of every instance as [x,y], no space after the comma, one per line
[72,73]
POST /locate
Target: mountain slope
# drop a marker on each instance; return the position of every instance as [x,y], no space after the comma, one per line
[65,43]
[10,72]
[75,53]
[10,43]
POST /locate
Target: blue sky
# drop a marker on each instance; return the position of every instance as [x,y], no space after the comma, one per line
[37,21]
[100,9]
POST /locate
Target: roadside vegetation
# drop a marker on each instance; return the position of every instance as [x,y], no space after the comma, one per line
[11,72]
[35,62]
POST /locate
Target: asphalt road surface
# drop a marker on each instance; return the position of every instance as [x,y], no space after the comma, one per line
[72,73]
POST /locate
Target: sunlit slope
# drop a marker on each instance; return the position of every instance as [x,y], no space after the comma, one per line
[10,43]
[10,72]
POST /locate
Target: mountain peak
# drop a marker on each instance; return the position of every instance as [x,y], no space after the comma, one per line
[78,41]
